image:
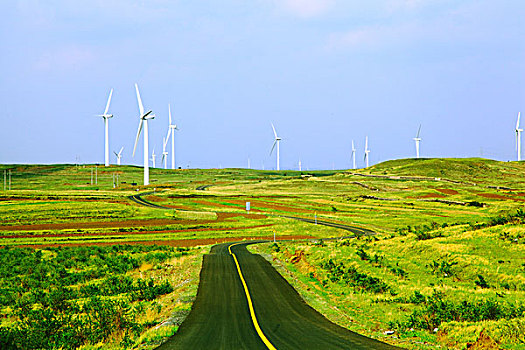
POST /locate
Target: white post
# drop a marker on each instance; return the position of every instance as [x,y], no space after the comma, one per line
[315,218]
[91,176]
[273,236]
[9,179]
[146,154]
[5,179]
[96,175]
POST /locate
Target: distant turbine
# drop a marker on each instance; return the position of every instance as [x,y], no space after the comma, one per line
[367,151]
[518,137]
[300,166]
[106,116]
[353,154]
[119,155]
[417,139]
[143,122]
[276,142]
[171,132]
[153,157]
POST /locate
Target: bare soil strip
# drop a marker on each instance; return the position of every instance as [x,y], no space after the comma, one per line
[94,234]
[173,243]
[126,223]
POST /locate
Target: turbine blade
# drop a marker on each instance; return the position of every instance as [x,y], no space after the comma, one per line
[138,135]
[273,146]
[109,100]
[120,152]
[141,107]
[163,145]
[166,139]
[169,112]
[418,131]
[518,122]
[274,132]
[115,153]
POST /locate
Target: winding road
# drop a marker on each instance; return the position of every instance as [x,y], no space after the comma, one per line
[244,303]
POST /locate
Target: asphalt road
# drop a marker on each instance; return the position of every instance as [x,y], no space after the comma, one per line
[244,303]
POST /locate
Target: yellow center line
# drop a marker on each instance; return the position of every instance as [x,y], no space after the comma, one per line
[250,305]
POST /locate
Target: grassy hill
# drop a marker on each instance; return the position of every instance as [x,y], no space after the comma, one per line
[476,170]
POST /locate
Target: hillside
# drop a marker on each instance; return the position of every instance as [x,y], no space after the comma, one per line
[476,170]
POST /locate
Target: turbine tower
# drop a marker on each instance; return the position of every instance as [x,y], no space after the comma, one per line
[119,155]
[353,154]
[367,151]
[417,139]
[153,157]
[106,116]
[276,142]
[518,137]
[171,132]
[143,123]
[300,165]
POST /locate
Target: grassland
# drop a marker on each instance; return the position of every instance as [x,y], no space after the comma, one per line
[440,224]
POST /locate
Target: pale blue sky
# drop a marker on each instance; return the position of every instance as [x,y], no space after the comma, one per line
[323,71]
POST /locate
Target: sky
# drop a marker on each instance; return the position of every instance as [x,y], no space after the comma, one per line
[324,72]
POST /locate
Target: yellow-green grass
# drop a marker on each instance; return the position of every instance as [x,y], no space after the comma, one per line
[407,193]
[471,253]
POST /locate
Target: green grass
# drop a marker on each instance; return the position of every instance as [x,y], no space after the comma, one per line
[432,216]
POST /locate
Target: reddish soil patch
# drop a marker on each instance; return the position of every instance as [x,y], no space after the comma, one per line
[126,223]
[280,207]
[154,199]
[83,234]
[432,195]
[224,216]
[173,243]
[447,191]
[499,196]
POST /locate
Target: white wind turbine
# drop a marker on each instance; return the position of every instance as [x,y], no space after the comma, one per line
[417,139]
[300,165]
[119,155]
[153,157]
[353,154]
[367,151]
[106,116]
[143,123]
[276,142]
[518,137]
[171,132]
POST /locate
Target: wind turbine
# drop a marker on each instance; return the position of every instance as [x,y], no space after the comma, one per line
[367,151]
[143,123]
[353,154]
[106,116]
[171,131]
[153,157]
[276,142]
[300,165]
[417,139]
[518,137]
[119,155]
